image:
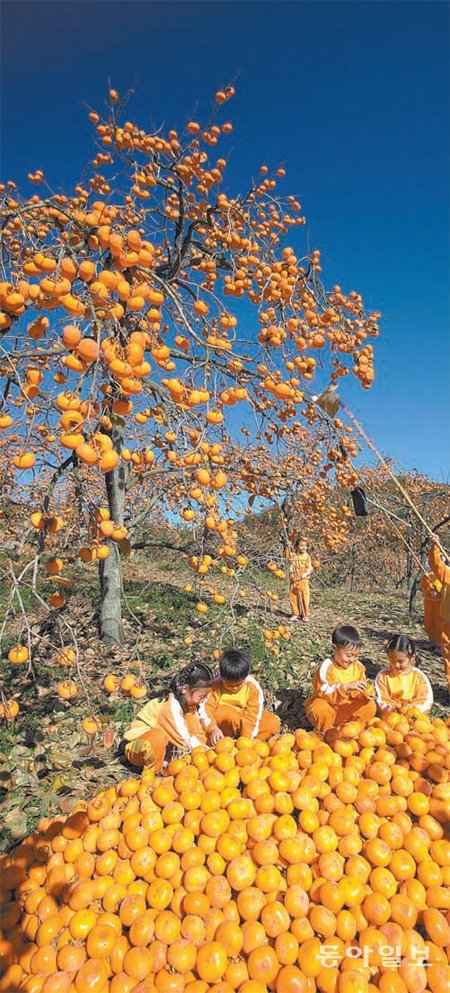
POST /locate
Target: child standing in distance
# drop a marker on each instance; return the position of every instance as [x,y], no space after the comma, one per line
[300,569]
[401,683]
[340,686]
[174,720]
[235,705]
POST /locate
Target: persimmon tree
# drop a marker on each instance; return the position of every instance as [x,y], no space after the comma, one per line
[159,337]
[390,544]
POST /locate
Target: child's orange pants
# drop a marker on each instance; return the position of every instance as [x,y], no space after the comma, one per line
[148,750]
[230,722]
[299,597]
[324,715]
[432,620]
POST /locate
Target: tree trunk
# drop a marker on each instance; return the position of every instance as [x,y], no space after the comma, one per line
[409,558]
[352,570]
[416,584]
[413,592]
[110,569]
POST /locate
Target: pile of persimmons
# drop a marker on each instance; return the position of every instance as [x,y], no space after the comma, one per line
[291,866]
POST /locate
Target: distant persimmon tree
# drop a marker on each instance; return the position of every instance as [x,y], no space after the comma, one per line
[391,543]
[159,335]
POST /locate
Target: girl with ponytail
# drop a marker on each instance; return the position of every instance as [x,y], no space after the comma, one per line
[172,722]
[402,684]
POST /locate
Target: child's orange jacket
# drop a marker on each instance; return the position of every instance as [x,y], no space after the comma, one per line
[330,682]
[407,687]
[442,572]
[430,586]
[248,702]
[431,589]
[182,729]
[300,567]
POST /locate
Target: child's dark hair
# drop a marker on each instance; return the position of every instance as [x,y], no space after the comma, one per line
[401,643]
[234,665]
[196,675]
[345,635]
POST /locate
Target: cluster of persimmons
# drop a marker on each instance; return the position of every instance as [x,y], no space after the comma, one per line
[245,868]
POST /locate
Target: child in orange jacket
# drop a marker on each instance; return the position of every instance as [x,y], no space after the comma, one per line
[172,721]
[442,572]
[401,683]
[300,569]
[340,686]
[235,704]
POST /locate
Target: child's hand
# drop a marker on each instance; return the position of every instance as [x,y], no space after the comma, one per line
[215,735]
[359,685]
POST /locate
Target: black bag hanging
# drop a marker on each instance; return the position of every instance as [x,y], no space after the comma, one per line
[359,500]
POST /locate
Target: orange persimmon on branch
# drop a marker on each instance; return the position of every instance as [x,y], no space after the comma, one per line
[158,337]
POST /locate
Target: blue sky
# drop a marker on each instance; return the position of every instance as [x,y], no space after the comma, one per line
[352,97]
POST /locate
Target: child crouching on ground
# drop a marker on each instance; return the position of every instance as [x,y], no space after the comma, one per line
[174,720]
[340,686]
[235,705]
[401,683]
